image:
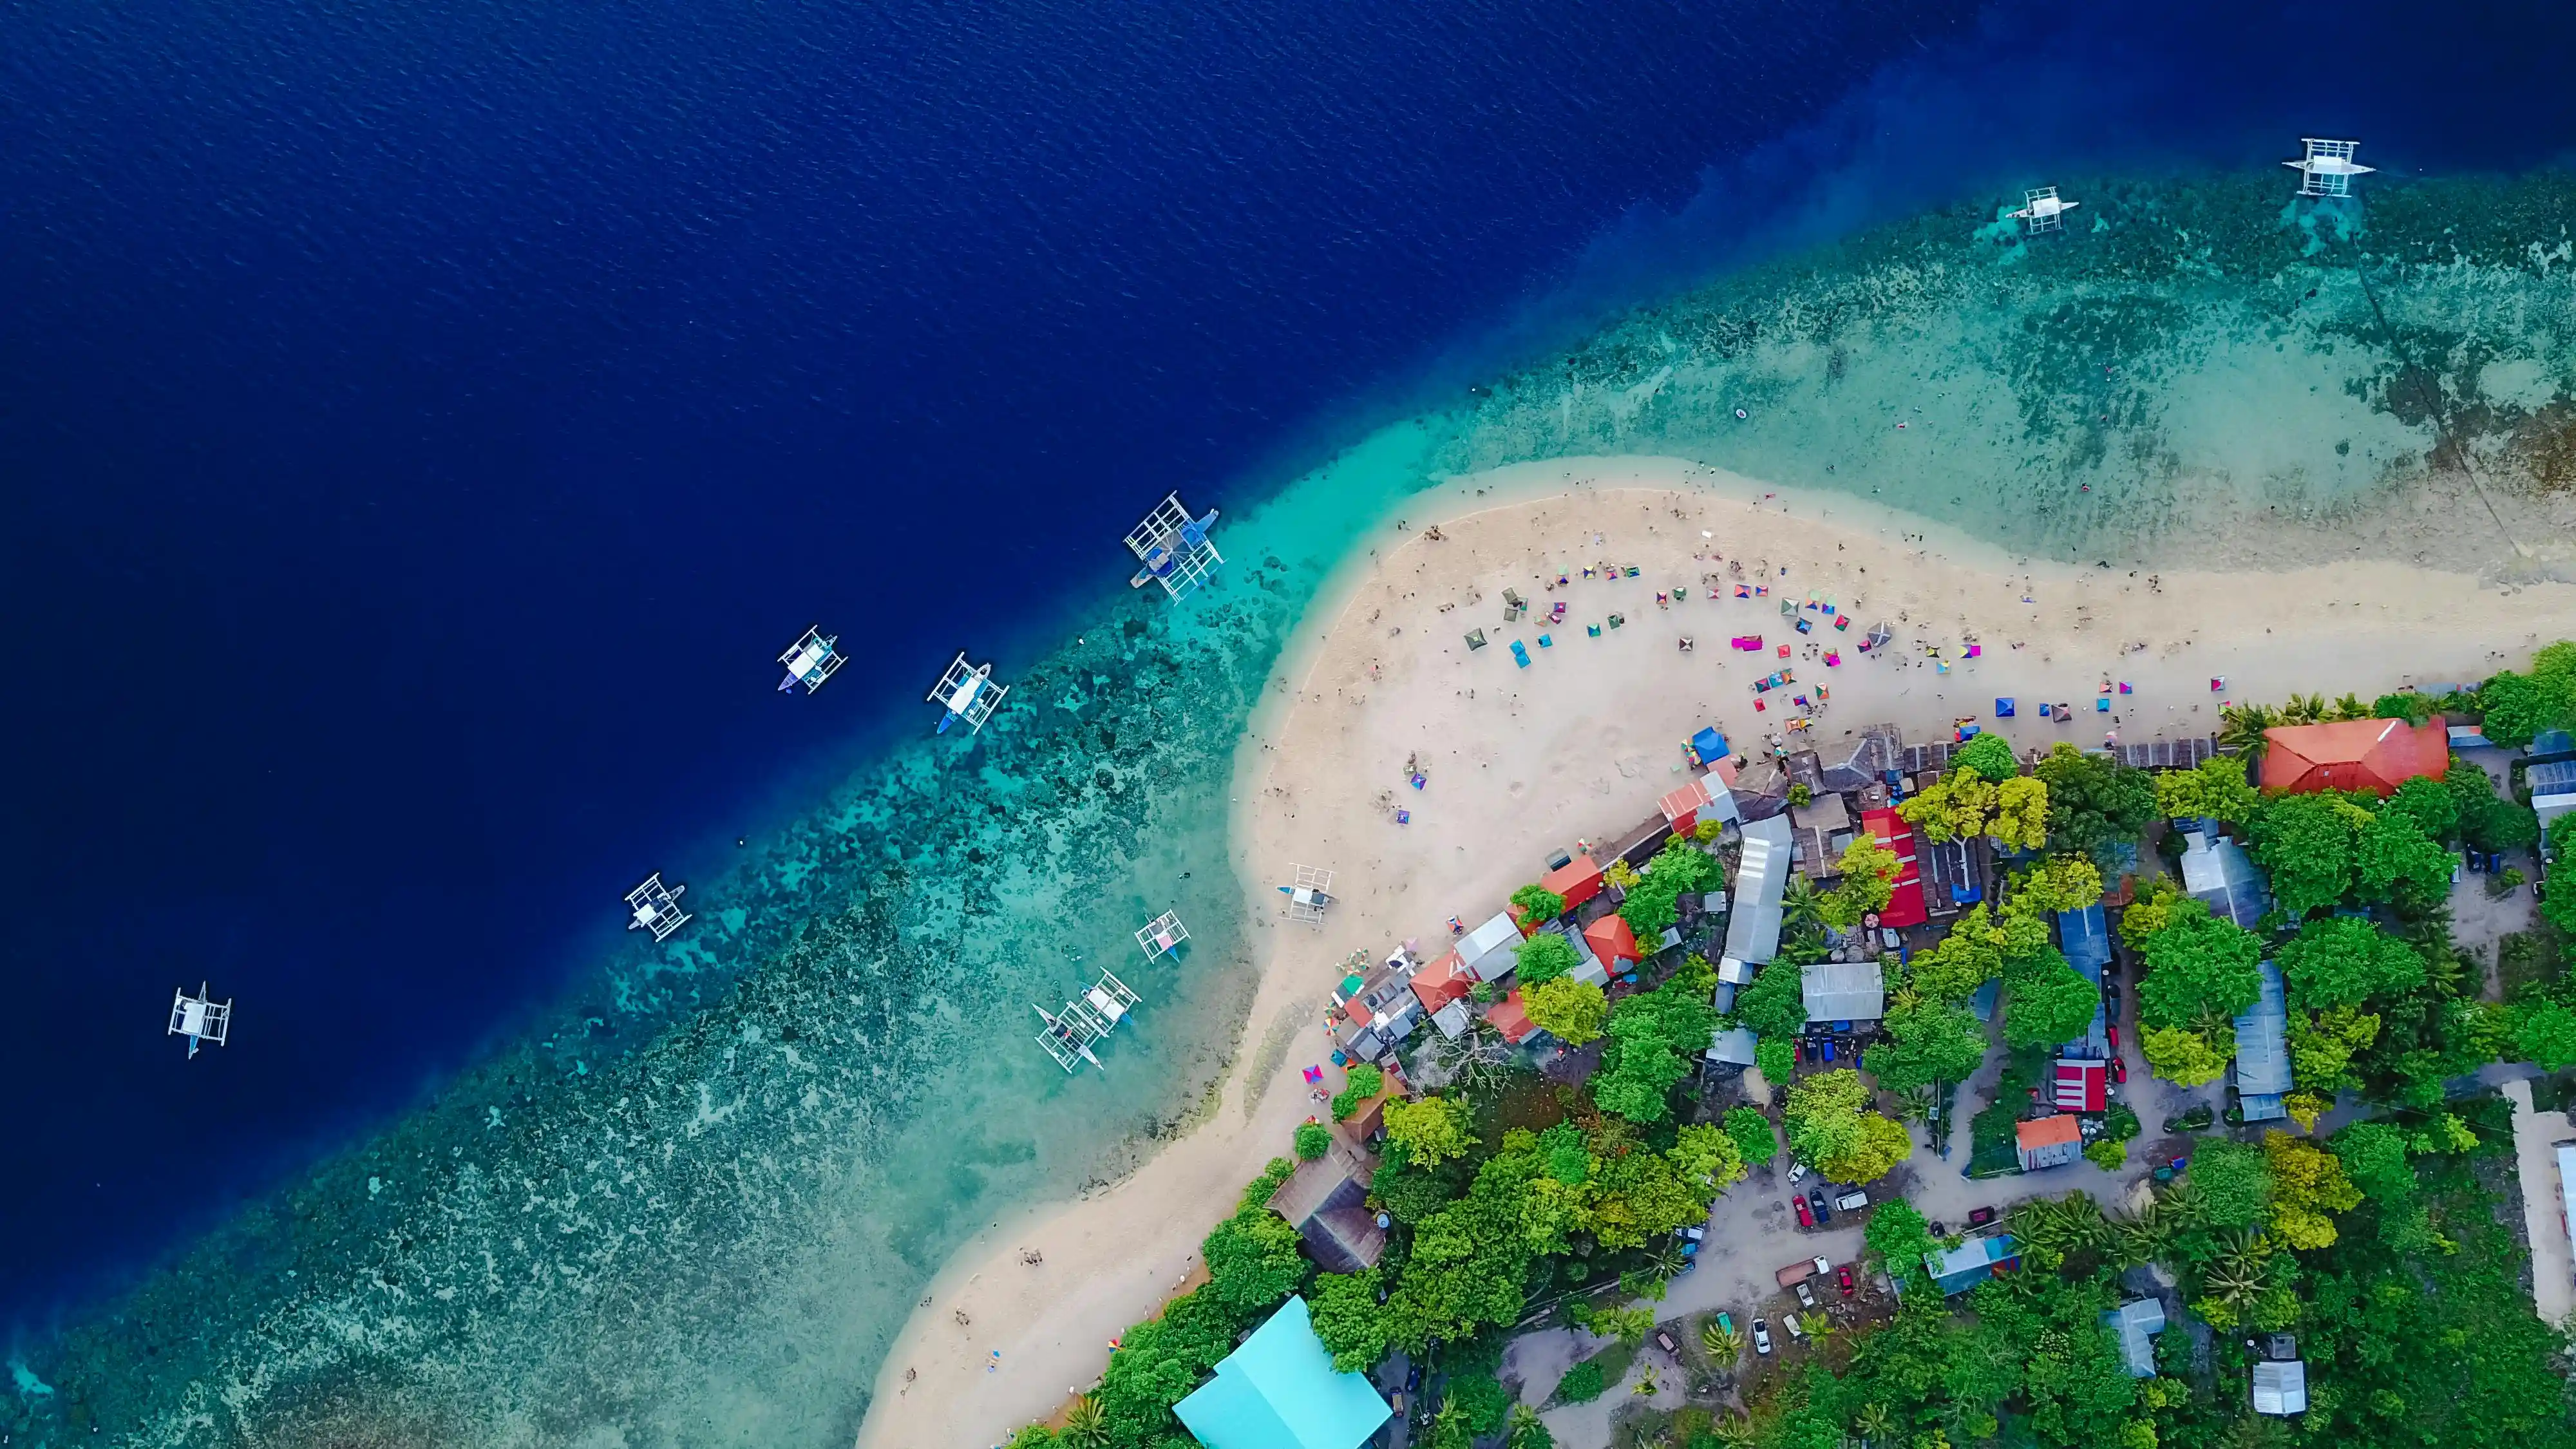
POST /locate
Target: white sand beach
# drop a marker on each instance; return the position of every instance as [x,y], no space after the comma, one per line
[1579,745]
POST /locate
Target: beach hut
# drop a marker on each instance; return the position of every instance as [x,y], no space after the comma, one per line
[1578,880]
[1706,798]
[2048,1142]
[1613,943]
[1492,948]
[2136,1324]
[2263,1051]
[2281,1387]
[2377,755]
[1904,903]
[1326,1201]
[1279,1390]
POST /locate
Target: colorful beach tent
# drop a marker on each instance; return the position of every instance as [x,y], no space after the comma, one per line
[1280,1391]
[1709,745]
[2376,755]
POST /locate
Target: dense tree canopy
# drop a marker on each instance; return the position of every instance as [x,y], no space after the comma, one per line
[2217,788]
[2519,706]
[1430,1130]
[1679,868]
[1543,958]
[1988,755]
[1977,950]
[1654,1036]
[1926,1040]
[1538,903]
[2047,1001]
[1869,871]
[2096,806]
[1774,1004]
[2013,812]
[2346,961]
[1569,1010]
[2185,1056]
[1755,1141]
[2059,883]
[1832,1129]
[2307,844]
[2197,966]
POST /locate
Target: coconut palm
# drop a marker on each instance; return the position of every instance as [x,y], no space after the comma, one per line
[1085,1426]
[1801,904]
[1724,1345]
[2241,1271]
[2241,727]
[1646,1385]
[2351,707]
[2302,709]
[1527,1430]
[1875,1423]
[1665,1261]
[1733,1433]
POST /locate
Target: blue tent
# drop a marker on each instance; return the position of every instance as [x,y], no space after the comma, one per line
[1710,746]
[1279,1390]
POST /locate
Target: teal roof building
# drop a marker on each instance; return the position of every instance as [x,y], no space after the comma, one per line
[1280,1391]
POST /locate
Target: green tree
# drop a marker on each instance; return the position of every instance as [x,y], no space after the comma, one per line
[2217,788]
[1354,1327]
[1252,1259]
[1431,1130]
[1900,1236]
[2047,1002]
[1755,1142]
[1360,1087]
[1086,1426]
[2406,705]
[2519,706]
[1538,904]
[1653,1038]
[1314,1139]
[2060,883]
[2184,1056]
[2198,965]
[1582,1384]
[2346,961]
[1543,958]
[2308,844]
[1925,1041]
[2013,812]
[2429,803]
[2374,1158]
[2308,1189]
[1988,755]
[1775,1059]
[1569,1010]
[2501,825]
[2544,1032]
[1679,868]
[1528,1430]
[1629,1325]
[1832,1130]
[2322,1046]
[2095,805]
[1485,1403]
[1978,949]
[2395,859]
[1775,1003]
[1869,871]
[2232,1181]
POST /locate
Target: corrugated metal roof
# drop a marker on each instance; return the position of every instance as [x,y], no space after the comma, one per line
[1733,1045]
[2087,939]
[2281,1388]
[1753,929]
[2262,1041]
[1844,991]
[2136,1322]
[2217,871]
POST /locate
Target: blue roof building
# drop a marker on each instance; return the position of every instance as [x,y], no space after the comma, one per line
[1279,1390]
[2087,939]
[2263,1051]
[1970,1263]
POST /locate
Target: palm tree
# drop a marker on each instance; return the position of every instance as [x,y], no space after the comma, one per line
[1528,1431]
[1666,1261]
[2242,1269]
[1646,1384]
[1801,904]
[1085,1426]
[1733,1433]
[1723,1345]
[2241,728]
[2304,709]
[1875,1423]
[2351,707]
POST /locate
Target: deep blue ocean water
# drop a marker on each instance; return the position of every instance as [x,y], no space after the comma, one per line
[421,425]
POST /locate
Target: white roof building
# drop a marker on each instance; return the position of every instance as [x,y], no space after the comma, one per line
[1492,948]
[1733,1045]
[2281,1387]
[2137,1322]
[1844,991]
[1753,930]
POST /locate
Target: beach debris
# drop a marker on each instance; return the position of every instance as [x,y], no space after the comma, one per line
[200,1018]
[2042,210]
[968,693]
[811,660]
[1175,550]
[2328,168]
[656,907]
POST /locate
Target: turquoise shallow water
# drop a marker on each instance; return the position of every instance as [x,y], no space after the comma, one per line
[696,1208]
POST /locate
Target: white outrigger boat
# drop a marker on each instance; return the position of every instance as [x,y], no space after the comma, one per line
[1174,549]
[200,1018]
[1070,1033]
[656,907]
[968,694]
[811,660]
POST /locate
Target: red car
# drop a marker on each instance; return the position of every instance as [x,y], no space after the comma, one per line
[2114,1030]
[2120,1071]
[1806,1219]
[1843,1276]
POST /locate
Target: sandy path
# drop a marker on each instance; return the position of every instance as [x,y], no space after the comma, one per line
[1579,745]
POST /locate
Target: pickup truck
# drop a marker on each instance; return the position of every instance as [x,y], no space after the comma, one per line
[1802,1270]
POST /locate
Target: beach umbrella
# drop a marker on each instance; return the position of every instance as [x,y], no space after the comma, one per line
[1879,634]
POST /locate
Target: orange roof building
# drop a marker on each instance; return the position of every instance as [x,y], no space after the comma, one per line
[1508,1017]
[2049,1142]
[1613,942]
[1578,880]
[2376,755]
[1443,981]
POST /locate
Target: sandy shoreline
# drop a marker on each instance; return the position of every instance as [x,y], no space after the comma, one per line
[1580,744]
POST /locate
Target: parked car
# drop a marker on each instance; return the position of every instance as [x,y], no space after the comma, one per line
[1979,1217]
[1852,1201]
[1843,1276]
[1665,1341]
[1761,1336]
[1790,1322]
[1806,1295]
[1823,1214]
[2119,1071]
[2113,1030]
[1797,1169]
[1806,1216]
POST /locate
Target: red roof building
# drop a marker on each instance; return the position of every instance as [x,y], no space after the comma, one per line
[2083,1086]
[1443,981]
[2048,1142]
[1681,808]
[1905,903]
[2377,755]
[1507,1017]
[1613,942]
[1578,880]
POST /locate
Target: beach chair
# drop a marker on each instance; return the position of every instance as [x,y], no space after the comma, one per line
[2102,706]
[1784,651]
[2124,686]
[1806,626]
[1833,658]
[1842,622]
[1617,620]
[1593,630]
[2045,710]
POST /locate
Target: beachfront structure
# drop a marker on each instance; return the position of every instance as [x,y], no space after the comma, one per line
[656,908]
[1380,1008]
[1443,983]
[2263,1051]
[2377,755]
[2048,1142]
[1326,1201]
[1162,935]
[1311,891]
[2136,1324]
[1174,549]
[2281,1387]
[2042,210]
[811,660]
[1068,1035]
[1492,948]
[2553,789]
[2086,939]
[1971,1263]
[1843,990]
[200,1018]
[1613,944]
[2217,872]
[1753,929]
[2328,168]
[1279,1390]
[1705,798]
[1578,880]
[968,693]
[1905,901]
